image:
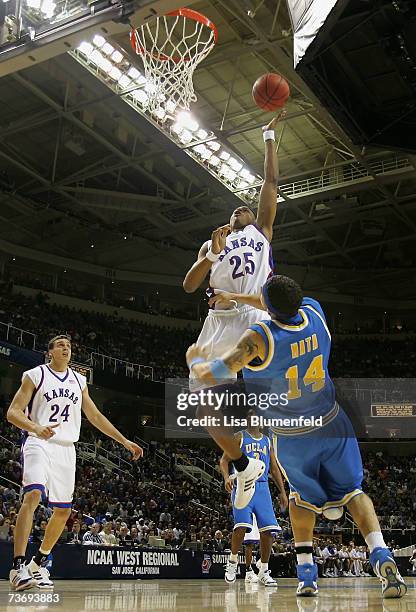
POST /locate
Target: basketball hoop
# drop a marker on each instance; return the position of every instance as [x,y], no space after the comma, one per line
[171,47]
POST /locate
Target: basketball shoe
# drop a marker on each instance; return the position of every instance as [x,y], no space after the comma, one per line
[384,566]
[251,576]
[230,571]
[308,577]
[21,579]
[265,579]
[41,575]
[246,482]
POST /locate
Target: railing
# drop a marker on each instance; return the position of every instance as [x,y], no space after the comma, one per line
[112,458]
[11,482]
[202,468]
[344,174]
[18,336]
[3,439]
[131,370]
[206,509]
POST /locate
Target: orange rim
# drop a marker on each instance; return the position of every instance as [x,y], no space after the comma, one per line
[182,12]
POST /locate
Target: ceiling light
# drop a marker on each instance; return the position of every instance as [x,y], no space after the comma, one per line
[98,40]
[133,73]
[185,119]
[107,48]
[86,48]
[177,128]
[214,145]
[202,134]
[124,81]
[115,73]
[214,161]
[117,57]
[235,164]
[225,155]
[185,136]
[141,96]
[160,113]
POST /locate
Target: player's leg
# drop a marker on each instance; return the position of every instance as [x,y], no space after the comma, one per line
[243,521]
[20,577]
[251,539]
[34,480]
[381,559]
[267,523]
[299,459]
[61,489]
[303,523]
[236,542]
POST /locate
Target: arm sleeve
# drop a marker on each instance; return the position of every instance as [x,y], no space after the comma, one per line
[35,375]
[81,379]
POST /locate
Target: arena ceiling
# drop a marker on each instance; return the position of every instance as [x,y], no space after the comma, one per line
[88,182]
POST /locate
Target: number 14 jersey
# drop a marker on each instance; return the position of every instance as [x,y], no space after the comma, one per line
[56,400]
[245,264]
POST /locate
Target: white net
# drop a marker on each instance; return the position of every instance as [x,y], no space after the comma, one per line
[171,47]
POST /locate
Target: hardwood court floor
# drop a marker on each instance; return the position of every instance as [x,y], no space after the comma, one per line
[342,594]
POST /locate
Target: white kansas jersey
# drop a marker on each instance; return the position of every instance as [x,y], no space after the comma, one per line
[56,399]
[245,263]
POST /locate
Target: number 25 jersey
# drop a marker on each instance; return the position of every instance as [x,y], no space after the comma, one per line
[245,263]
[56,400]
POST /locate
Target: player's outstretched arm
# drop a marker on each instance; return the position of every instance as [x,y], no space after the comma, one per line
[16,412]
[226,299]
[206,257]
[250,346]
[101,422]
[276,475]
[267,209]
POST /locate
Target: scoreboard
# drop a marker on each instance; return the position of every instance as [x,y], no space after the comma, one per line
[85,370]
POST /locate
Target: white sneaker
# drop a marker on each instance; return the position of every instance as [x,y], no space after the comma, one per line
[21,579]
[266,579]
[230,571]
[41,575]
[246,482]
[251,577]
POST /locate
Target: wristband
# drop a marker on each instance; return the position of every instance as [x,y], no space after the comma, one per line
[269,135]
[196,360]
[212,256]
[219,370]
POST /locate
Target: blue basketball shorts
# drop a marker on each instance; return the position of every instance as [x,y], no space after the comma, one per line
[322,472]
[261,506]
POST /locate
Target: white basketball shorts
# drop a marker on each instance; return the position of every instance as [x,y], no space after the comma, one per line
[49,467]
[254,534]
[223,329]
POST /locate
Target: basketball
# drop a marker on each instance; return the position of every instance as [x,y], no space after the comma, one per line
[270,91]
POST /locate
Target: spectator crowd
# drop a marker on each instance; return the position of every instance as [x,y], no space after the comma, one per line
[164,349]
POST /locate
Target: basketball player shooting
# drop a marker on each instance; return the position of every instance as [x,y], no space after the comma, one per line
[237,258]
[47,407]
[323,466]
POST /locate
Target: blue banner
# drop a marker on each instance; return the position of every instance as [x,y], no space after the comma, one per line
[20,355]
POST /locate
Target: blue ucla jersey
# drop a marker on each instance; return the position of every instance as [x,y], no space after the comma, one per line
[296,364]
[257,448]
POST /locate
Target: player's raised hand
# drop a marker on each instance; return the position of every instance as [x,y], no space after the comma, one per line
[218,238]
[135,449]
[272,124]
[223,299]
[44,432]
